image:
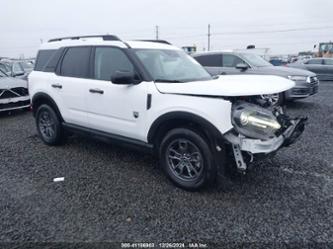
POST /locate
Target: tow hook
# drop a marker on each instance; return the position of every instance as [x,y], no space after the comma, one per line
[241,165]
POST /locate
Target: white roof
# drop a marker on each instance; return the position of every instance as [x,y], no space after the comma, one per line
[99,41]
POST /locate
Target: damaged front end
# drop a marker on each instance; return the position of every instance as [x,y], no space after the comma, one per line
[260,131]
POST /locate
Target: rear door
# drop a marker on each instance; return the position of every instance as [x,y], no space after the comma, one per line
[72,82]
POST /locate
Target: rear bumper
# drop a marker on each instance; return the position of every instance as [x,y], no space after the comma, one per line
[255,146]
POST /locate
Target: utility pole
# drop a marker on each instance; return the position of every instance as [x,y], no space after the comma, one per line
[209,34]
[156,31]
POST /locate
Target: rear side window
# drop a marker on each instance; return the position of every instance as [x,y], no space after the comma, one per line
[76,62]
[230,60]
[328,62]
[108,60]
[43,57]
[211,60]
[314,62]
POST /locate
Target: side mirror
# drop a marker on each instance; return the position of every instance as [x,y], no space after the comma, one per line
[242,66]
[124,78]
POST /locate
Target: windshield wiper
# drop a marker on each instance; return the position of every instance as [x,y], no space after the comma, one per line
[168,81]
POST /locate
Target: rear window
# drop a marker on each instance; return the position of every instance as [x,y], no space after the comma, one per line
[43,57]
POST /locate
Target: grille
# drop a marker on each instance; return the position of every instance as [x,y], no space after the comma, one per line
[21,91]
[300,91]
[314,90]
[13,92]
[313,80]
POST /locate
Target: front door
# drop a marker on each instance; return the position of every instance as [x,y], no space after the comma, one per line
[112,108]
[229,63]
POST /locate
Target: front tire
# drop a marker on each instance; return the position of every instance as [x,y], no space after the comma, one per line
[49,125]
[186,158]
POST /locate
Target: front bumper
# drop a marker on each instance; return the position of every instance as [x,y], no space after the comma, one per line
[14,103]
[303,89]
[255,146]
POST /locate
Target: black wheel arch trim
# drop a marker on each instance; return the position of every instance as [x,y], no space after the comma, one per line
[40,96]
[208,127]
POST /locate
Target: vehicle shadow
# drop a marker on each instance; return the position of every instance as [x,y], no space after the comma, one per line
[10,114]
[299,104]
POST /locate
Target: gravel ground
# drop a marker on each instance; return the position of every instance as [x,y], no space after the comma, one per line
[116,194]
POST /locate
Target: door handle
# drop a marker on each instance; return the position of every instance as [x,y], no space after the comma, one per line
[99,91]
[56,86]
[223,73]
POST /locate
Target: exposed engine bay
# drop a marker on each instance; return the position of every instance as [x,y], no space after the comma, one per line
[260,129]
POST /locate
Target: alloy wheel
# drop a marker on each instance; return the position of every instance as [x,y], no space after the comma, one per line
[46,125]
[184,159]
[272,99]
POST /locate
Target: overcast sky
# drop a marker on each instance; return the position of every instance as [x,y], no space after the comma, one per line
[284,26]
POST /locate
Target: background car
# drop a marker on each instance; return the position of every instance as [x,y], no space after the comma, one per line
[277,61]
[323,67]
[16,68]
[224,63]
[14,93]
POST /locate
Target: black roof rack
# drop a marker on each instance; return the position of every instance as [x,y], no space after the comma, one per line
[105,38]
[158,41]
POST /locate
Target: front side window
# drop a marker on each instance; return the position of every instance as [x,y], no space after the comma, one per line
[166,65]
[230,60]
[76,62]
[210,60]
[108,61]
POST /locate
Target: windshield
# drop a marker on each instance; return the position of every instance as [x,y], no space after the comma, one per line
[2,74]
[4,68]
[171,65]
[256,60]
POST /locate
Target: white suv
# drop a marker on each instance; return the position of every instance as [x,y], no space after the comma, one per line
[152,95]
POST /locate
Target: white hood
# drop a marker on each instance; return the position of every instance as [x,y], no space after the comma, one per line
[230,85]
[8,82]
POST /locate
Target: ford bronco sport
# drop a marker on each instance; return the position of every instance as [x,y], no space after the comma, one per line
[152,95]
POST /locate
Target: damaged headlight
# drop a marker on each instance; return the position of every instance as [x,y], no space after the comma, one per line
[254,121]
[298,78]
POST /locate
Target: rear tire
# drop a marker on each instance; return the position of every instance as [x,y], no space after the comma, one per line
[186,158]
[49,125]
